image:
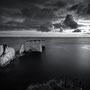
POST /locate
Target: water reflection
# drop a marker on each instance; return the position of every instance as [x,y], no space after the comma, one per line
[83,56]
[86,47]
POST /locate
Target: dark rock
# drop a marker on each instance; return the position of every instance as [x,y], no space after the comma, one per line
[6,54]
[61,83]
[40,87]
[69,22]
[54,85]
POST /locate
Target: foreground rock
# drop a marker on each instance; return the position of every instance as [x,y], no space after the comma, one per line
[54,85]
[69,22]
[31,46]
[6,54]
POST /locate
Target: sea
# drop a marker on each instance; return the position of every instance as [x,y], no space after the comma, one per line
[62,57]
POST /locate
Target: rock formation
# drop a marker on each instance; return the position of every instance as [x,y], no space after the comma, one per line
[6,54]
[31,46]
[1,50]
[21,50]
[54,85]
[69,22]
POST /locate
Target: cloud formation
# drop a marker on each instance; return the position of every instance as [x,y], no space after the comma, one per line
[14,11]
[82,8]
[21,3]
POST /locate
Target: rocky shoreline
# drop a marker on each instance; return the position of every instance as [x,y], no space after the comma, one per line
[63,84]
[7,53]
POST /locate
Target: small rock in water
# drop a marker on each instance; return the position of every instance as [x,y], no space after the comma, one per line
[54,85]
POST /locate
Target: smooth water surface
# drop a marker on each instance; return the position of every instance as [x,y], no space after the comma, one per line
[62,57]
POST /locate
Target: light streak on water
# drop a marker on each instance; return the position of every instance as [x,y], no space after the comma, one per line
[86,47]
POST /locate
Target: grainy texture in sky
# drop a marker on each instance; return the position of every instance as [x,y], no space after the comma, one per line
[17,3]
[33,13]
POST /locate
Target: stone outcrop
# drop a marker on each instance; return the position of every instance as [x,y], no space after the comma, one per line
[54,85]
[21,50]
[1,50]
[6,54]
[69,22]
[31,46]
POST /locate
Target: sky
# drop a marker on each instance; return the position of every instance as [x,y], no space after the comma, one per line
[22,3]
[21,12]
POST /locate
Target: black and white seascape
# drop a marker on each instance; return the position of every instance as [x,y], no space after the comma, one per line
[45,45]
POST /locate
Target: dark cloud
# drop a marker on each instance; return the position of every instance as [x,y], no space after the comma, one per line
[38,13]
[56,5]
[82,8]
[34,13]
[60,4]
[13,3]
[34,1]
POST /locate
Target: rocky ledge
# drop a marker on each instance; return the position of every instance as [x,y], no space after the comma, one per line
[54,85]
[6,54]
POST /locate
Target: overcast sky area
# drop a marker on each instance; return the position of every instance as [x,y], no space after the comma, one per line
[33,13]
[26,3]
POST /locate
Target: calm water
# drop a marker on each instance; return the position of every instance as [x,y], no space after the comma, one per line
[62,57]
